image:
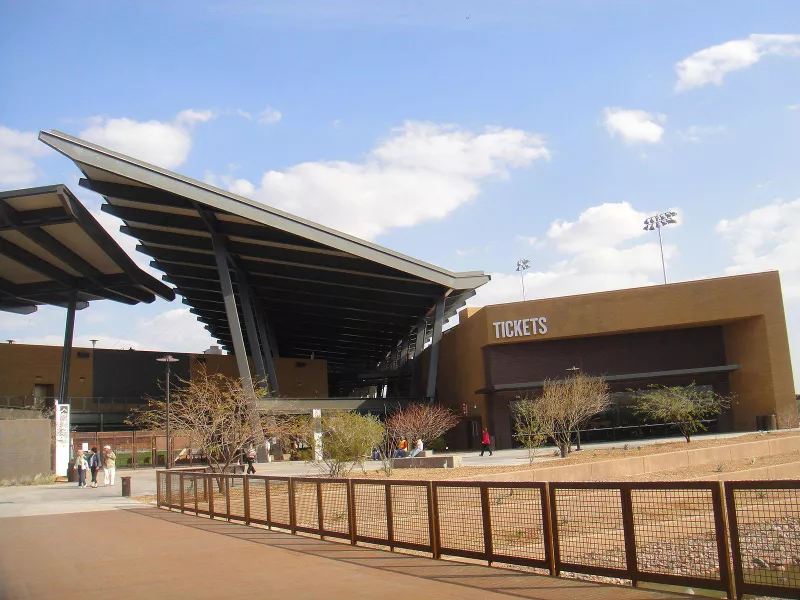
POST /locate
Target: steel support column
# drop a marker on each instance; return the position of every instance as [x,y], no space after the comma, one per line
[221,256]
[66,354]
[418,347]
[248,310]
[433,366]
[267,345]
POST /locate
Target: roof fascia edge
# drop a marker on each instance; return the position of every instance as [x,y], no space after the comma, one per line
[83,152]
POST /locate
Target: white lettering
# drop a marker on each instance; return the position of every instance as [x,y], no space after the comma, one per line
[535,321]
[498,327]
[526,326]
[542,325]
[509,326]
[517,328]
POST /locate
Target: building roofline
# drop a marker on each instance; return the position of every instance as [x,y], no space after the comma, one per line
[92,155]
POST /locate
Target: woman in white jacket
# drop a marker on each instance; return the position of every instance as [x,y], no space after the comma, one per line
[81,466]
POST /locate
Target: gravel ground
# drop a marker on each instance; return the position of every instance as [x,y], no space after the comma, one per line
[576,458]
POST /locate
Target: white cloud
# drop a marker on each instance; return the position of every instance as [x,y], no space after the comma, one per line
[337,124]
[175,330]
[597,256]
[712,64]
[697,133]
[530,241]
[794,107]
[244,114]
[269,116]
[18,151]
[421,172]
[766,238]
[634,126]
[609,224]
[166,144]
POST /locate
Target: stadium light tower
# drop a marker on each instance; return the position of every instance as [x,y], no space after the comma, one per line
[523,264]
[657,222]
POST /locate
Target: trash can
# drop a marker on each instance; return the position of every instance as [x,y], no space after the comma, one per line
[770,422]
[759,423]
[72,474]
[126,486]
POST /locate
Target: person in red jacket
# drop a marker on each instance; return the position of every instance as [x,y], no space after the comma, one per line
[486,442]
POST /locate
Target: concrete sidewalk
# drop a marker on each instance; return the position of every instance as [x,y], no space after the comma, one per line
[152,553]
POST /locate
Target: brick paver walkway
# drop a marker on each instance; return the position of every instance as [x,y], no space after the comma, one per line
[152,553]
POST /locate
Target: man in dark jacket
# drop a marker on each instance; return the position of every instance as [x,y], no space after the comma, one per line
[94,466]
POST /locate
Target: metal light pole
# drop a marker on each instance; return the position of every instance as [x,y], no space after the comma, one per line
[168,359]
[657,222]
[574,373]
[523,264]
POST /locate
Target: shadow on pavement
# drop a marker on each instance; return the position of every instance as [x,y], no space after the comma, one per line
[497,580]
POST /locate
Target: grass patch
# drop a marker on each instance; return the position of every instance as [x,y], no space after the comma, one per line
[38,479]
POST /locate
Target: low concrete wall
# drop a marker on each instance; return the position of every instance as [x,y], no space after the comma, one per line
[785,471]
[440,461]
[25,449]
[636,465]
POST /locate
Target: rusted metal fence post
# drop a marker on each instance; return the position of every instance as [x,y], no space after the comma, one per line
[228,497]
[211,484]
[389,516]
[320,516]
[547,529]
[246,493]
[725,521]
[292,508]
[268,500]
[433,526]
[629,533]
[169,489]
[487,523]
[436,530]
[158,489]
[351,511]
[181,481]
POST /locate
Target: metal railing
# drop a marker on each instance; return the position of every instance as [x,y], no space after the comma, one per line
[674,533]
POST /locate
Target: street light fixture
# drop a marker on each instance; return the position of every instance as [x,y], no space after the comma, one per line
[657,222]
[523,264]
[167,360]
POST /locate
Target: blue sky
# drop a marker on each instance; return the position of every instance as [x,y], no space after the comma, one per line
[468,134]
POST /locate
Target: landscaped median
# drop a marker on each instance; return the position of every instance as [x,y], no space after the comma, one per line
[622,464]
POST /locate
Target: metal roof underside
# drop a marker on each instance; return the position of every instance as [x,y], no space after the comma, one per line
[324,292]
[51,247]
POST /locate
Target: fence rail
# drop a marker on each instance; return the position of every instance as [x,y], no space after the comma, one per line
[735,537]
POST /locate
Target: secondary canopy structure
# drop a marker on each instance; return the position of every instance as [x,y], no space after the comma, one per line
[53,251]
[272,283]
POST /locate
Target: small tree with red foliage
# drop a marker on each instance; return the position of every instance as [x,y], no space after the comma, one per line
[424,421]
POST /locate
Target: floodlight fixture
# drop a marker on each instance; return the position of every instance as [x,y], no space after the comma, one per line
[656,222]
[523,264]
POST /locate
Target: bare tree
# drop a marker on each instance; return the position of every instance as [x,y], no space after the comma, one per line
[216,415]
[530,424]
[686,406]
[566,404]
[421,421]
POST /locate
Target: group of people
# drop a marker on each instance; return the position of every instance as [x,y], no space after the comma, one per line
[92,462]
[401,448]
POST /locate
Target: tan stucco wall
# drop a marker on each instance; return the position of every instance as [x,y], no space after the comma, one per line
[22,366]
[308,381]
[25,448]
[750,308]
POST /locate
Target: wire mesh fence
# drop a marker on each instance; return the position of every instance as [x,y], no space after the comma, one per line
[736,537]
[764,521]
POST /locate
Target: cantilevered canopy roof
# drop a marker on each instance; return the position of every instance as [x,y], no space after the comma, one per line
[323,292]
[51,247]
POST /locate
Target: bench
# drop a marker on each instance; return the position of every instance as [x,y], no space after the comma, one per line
[439,461]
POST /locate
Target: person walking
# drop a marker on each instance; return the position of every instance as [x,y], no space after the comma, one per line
[486,442]
[80,466]
[250,457]
[94,466]
[110,466]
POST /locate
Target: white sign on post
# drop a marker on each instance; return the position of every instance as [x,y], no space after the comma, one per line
[62,439]
[316,414]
